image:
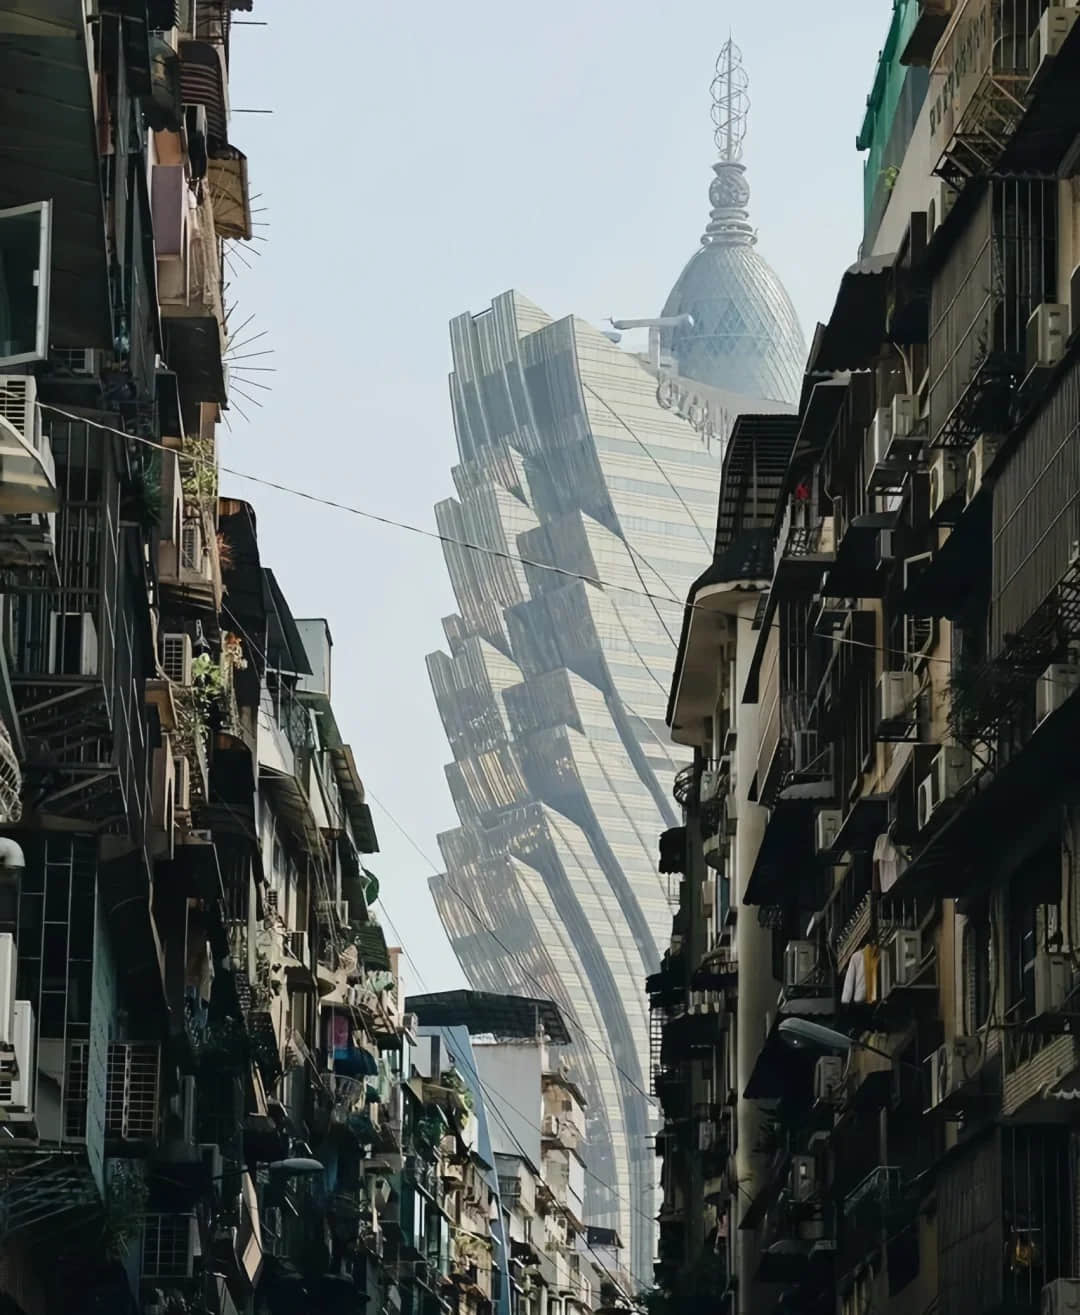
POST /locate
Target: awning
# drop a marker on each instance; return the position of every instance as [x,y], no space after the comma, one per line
[227,178]
[203,82]
[856,329]
[284,644]
[944,587]
[787,845]
[866,819]
[755,465]
[370,942]
[352,798]
[818,416]
[48,150]
[854,573]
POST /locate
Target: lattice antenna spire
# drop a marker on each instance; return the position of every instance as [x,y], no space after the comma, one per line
[730,91]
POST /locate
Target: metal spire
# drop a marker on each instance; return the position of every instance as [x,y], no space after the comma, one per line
[729,193]
[730,102]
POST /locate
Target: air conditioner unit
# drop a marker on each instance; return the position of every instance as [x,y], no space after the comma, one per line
[182,779]
[1047,333]
[1054,686]
[73,644]
[163,793]
[979,459]
[1074,302]
[1053,981]
[826,828]
[905,415]
[803,1180]
[191,546]
[17,1085]
[800,961]
[936,1066]
[1061,1297]
[925,803]
[939,207]
[18,406]
[1050,35]
[904,957]
[947,477]
[828,1079]
[550,1126]
[952,768]
[897,695]
[380,1191]
[176,657]
[8,968]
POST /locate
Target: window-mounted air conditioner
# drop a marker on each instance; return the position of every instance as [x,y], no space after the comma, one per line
[1061,1297]
[191,546]
[949,772]
[73,644]
[900,960]
[1050,35]
[803,1181]
[907,428]
[800,962]
[947,477]
[182,781]
[1054,686]
[828,1079]
[17,1084]
[979,459]
[1053,981]
[550,1126]
[1047,333]
[177,657]
[936,1067]
[826,829]
[897,693]
[18,406]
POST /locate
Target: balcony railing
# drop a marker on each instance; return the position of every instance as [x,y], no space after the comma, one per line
[978,83]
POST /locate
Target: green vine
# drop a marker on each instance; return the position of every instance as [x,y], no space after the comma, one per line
[199,473]
[126,1195]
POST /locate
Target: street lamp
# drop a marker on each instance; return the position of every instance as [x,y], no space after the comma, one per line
[805,1034]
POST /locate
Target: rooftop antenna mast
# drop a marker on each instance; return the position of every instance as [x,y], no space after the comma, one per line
[730,91]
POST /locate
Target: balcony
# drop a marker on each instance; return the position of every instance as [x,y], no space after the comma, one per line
[804,548]
[979,80]
[189,575]
[189,288]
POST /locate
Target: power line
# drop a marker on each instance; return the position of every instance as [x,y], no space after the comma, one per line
[687,605]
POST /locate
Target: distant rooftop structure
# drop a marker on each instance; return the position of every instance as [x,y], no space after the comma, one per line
[743,333]
[507,1017]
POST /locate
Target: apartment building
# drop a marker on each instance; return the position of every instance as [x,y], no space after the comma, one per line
[878,677]
[512,1052]
[202,1045]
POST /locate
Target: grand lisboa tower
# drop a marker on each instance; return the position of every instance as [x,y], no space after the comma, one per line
[584,506]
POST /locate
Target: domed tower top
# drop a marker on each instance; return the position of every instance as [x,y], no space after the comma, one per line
[745,335]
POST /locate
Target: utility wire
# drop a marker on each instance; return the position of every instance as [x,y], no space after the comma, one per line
[686,605]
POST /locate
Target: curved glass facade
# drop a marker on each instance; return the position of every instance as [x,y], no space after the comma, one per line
[553,691]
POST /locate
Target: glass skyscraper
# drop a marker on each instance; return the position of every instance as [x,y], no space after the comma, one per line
[589,476]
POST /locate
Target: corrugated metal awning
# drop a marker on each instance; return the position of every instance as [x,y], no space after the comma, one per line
[203,82]
[227,176]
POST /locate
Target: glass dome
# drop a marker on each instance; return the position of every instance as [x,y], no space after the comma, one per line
[742,333]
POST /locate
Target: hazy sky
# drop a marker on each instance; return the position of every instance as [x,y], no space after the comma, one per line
[419,160]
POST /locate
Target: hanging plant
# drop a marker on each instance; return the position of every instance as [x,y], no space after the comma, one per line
[126,1195]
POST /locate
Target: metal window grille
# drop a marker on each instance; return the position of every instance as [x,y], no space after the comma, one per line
[131,1095]
[168,1246]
